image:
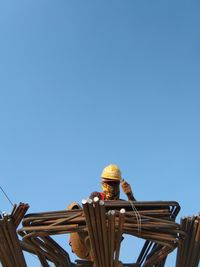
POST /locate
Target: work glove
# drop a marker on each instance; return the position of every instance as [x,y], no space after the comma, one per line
[127,190]
[126,187]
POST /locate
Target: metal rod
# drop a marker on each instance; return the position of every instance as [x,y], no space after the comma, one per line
[90,231]
[99,231]
[104,232]
[119,236]
[111,235]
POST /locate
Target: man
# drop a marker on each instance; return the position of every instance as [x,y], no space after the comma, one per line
[111,179]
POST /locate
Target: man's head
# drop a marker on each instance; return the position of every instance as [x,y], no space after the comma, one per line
[111,177]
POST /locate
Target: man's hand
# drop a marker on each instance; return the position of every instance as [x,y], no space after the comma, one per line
[127,190]
[126,187]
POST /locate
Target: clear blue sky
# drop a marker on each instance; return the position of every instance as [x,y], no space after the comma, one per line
[87,83]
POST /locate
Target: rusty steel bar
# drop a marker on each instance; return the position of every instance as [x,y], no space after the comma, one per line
[196,248]
[4,249]
[181,245]
[144,205]
[193,231]
[147,246]
[19,212]
[85,205]
[95,232]
[43,260]
[119,236]
[8,241]
[53,248]
[104,231]
[43,254]
[18,254]
[48,250]
[157,257]
[111,236]
[10,250]
[188,253]
[99,230]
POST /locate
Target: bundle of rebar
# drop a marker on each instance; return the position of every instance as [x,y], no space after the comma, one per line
[10,249]
[105,222]
[52,223]
[18,213]
[188,254]
[162,209]
[60,222]
[41,243]
[105,235]
[153,221]
[47,250]
[163,234]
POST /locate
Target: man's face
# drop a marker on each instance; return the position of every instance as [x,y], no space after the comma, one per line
[110,190]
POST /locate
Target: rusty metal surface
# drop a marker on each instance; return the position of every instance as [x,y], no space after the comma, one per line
[10,249]
[163,234]
[105,223]
[152,221]
[189,250]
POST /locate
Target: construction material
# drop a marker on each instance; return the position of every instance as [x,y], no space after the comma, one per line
[104,222]
[10,249]
[188,253]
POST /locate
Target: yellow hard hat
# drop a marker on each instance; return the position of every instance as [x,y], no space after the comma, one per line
[111,172]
